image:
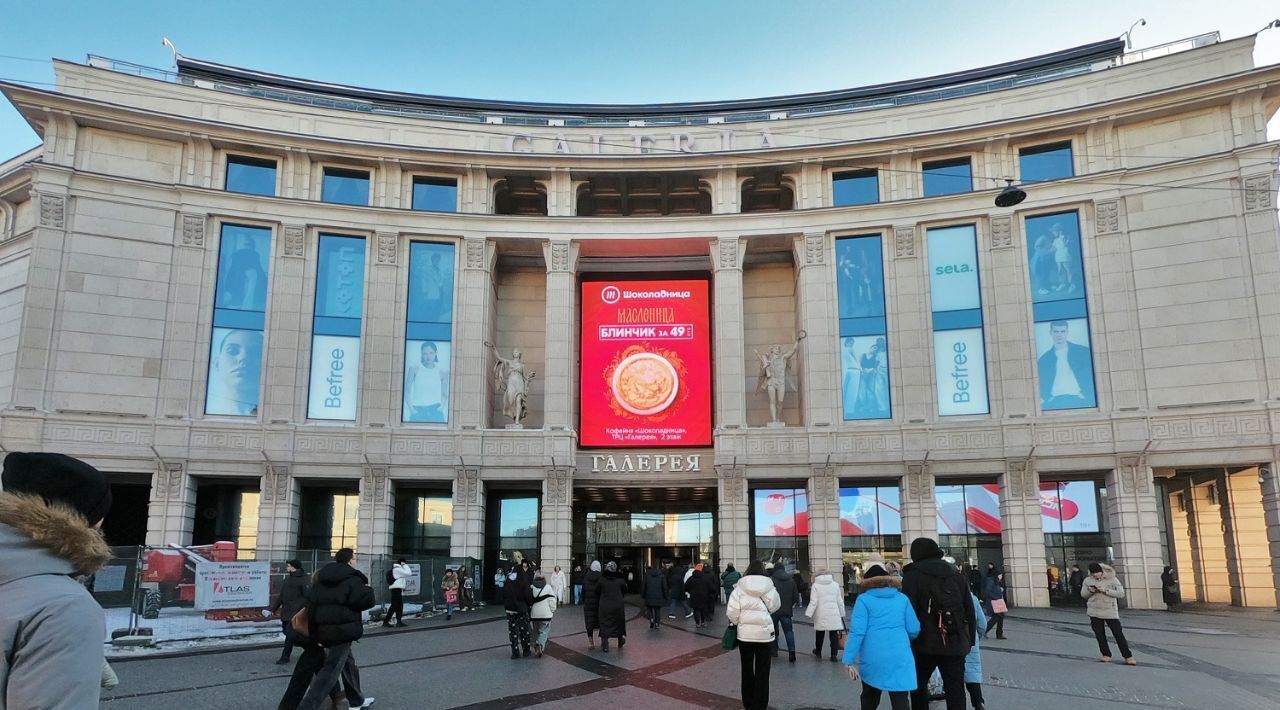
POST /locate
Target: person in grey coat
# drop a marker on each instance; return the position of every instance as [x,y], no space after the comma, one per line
[51,629]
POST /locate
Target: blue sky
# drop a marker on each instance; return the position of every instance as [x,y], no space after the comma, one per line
[591,51]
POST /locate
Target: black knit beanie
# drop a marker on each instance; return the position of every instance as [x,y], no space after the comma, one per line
[925,548]
[58,478]
[1095,568]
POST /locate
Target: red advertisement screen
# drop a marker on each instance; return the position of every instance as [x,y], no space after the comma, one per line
[646,364]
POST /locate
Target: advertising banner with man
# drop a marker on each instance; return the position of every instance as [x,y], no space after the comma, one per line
[232,585]
[646,364]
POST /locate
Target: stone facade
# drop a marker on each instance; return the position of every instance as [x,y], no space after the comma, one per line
[108,259]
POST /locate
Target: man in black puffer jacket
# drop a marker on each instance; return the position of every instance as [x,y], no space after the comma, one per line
[941,599]
[292,597]
[336,599]
[787,592]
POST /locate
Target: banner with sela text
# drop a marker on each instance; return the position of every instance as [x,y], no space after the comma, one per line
[646,364]
[232,585]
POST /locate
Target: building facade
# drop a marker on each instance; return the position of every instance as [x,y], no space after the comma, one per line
[302,316]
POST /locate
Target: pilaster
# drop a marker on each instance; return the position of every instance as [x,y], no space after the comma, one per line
[730,373]
[377,357]
[171,513]
[560,194]
[287,334]
[824,520]
[377,512]
[278,510]
[1022,534]
[1118,324]
[1013,342]
[811,188]
[31,374]
[733,522]
[560,355]
[819,351]
[726,195]
[910,340]
[1134,521]
[1261,223]
[466,535]
[471,329]
[191,262]
[557,518]
[919,506]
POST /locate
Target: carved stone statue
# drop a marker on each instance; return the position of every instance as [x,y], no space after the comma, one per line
[773,376]
[511,378]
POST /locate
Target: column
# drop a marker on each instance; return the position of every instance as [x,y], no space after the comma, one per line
[730,373]
[466,535]
[278,511]
[1268,479]
[171,513]
[824,520]
[188,280]
[819,356]
[1022,534]
[919,507]
[377,512]
[733,518]
[1011,377]
[377,377]
[556,529]
[44,275]
[288,341]
[1134,520]
[561,258]
[471,328]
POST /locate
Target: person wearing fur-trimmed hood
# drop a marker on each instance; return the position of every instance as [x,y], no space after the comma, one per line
[881,629]
[1103,593]
[51,512]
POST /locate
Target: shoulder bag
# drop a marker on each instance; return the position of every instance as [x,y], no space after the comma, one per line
[301,623]
[729,640]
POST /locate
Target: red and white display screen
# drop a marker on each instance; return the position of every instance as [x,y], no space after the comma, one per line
[646,364]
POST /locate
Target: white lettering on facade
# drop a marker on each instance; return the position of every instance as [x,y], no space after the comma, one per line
[683,141]
[561,145]
[646,463]
[766,138]
[511,143]
[644,143]
[641,143]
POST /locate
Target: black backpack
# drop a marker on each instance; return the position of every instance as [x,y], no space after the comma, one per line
[947,617]
[390,577]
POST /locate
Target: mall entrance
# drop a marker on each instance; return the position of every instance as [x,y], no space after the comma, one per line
[637,527]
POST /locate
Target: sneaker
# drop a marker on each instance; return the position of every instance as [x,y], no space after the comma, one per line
[368,703]
[1130,661]
[671,616]
[689,615]
[1106,659]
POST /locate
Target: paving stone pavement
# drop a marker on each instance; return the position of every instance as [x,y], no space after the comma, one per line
[1221,659]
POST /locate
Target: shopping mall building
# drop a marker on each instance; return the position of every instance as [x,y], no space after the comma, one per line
[287,313]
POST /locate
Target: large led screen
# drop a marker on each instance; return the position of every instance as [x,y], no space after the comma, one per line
[646,364]
[781,512]
[870,511]
[1069,506]
[970,509]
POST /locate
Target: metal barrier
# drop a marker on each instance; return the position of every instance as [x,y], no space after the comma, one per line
[155,588]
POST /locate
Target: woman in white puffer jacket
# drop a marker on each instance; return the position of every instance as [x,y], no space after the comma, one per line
[751,608]
[826,608]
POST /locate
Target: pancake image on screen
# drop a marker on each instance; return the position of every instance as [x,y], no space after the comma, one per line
[645,383]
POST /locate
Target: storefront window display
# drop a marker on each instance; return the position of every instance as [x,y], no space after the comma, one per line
[969,522]
[870,522]
[1074,534]
[780,530]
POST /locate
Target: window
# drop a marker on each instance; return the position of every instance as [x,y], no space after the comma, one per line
[1069,506]
[239,316]
[1045,162]
[947,177]
[781,526]
[423,522]
[872,510]
[864,355]
[959,348]
[335,339]
[858,187]
[968,509]
[428,333]
[255,176]
[345,187]
[1064,356]
[433,194]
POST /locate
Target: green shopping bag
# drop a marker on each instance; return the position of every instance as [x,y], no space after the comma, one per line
[730,639]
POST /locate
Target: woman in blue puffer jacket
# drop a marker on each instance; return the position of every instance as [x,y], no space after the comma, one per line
[973,661]
[879,647]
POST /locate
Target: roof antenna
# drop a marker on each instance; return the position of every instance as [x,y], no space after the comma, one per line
[173,49]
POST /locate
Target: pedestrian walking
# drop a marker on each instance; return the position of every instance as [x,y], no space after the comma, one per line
[996,606]
[700,588]
[750,609]
[1169,589]
[400,574]
[940,597]
[713,591]
[613,619]
[654,591]
[449,585]
[591,602]
[560,584]
[1075,581]
[786,587]
[466,598]
[517,597]
[51,512]
[339,594]
[802,589]
[575,579]
[290,600]
[541,612]
[826,608]
[675,587]
[881,628]
[973,660]
[728,580]
[1102,592]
